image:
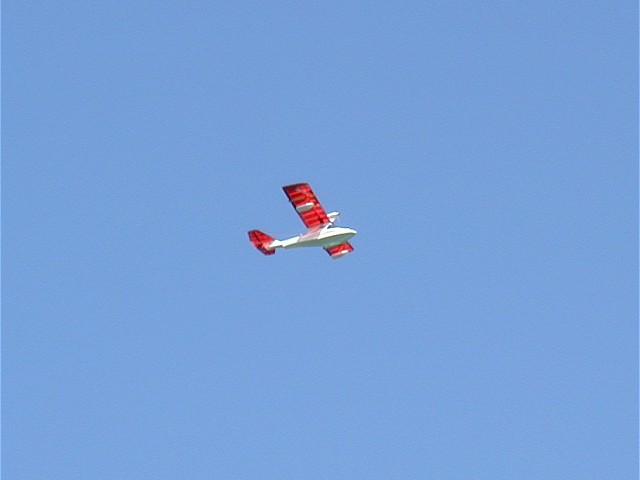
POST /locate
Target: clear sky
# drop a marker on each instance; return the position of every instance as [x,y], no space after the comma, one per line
[485,326]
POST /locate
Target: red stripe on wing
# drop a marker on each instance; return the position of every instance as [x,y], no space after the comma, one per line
[340,250]
[306,204]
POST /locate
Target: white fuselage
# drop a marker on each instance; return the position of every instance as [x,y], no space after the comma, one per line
[321,236]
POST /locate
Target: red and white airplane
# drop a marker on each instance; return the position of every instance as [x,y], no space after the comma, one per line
[320,229]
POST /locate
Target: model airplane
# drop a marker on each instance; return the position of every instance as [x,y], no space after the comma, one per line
[321,231]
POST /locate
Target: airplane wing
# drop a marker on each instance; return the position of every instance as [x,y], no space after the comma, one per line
[340,250]
[306,204]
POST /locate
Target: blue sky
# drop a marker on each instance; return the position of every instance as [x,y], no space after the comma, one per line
[486,325]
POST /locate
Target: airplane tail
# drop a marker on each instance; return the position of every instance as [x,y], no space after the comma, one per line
[262,242]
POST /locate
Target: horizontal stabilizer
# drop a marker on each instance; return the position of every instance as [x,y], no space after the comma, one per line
[262,241]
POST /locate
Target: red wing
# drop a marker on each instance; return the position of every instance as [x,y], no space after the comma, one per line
[339,250]
[306,204]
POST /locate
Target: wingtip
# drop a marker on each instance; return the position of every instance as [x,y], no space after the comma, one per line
[294,185]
